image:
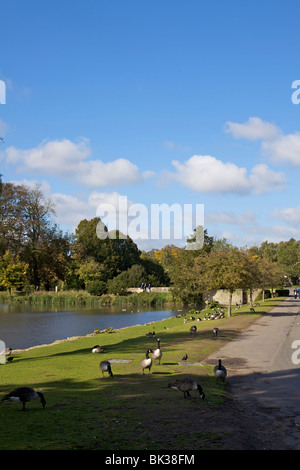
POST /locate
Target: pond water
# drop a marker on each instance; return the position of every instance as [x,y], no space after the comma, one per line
[23,326]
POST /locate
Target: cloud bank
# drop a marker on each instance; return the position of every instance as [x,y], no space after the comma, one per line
[69,160]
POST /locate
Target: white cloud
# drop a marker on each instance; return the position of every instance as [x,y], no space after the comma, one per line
[290,215]
[229,218]
[70,210]
[254,129]
[3,128]
[284,149]
[275,233]
[206,174]
[169,145]
[278,147]
[66,159]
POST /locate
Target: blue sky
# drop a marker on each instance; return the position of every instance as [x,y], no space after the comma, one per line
[170,101]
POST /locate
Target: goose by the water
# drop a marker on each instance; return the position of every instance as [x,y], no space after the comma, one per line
[220,371]
[23,395]
[186,385]
[98,349]
[157,354]
[146,362]
[106,367]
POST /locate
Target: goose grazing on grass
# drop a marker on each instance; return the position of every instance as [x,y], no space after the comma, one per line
[146,362]
[98,349]
[23,395]
[184,357]
[151,335]
[157,354]
[193,329]
[186,385]
[220,371]
[106,367]
[216,331]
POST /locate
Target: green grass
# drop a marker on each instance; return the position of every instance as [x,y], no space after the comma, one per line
[86,411]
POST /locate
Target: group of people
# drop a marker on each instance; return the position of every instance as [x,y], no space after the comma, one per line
[144,287]
[297,293]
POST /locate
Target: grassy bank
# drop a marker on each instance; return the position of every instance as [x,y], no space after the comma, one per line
[130,411]
[84,298]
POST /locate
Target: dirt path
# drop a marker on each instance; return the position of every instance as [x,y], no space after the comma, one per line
[263,409]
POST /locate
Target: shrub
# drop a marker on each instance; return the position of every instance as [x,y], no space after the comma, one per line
[97,288]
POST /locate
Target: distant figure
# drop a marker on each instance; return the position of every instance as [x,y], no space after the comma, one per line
[299,293]
[142,286]
[149,288]
[295,293]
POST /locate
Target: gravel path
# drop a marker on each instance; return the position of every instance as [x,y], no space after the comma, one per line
[264,380]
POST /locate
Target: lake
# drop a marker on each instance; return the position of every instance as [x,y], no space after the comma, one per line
[23,326]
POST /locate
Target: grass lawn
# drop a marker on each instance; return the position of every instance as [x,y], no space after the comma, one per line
[130,411]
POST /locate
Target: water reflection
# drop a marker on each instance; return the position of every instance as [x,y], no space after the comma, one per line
[25,325]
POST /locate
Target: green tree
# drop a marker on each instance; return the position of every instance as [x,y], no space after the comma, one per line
[12,272]
[116,252]
[226,269]
[27,230]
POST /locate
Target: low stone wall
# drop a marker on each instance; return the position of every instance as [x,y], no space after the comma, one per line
[239,297]
[153,289]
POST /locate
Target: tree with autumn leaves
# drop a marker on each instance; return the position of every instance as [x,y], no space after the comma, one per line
[222,267]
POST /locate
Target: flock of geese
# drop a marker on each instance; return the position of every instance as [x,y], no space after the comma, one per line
[185,385]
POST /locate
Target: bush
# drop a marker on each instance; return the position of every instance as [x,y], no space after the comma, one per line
[117,285]
[97,287]
[282,292]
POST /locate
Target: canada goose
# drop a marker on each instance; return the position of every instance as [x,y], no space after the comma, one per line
[216,331]
[193,329]
[10,359]
[157,354]
[151,335]
[23,395]
[98,349]
[220,371]
[184,357]
[146,362]
[8,351]
[106,367]
[252,310]
[186,385]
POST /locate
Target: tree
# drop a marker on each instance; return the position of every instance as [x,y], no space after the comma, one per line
[188,276]
[27,230]
[12,272]
[226,269]
[115,253]
[271,275]
[288,256]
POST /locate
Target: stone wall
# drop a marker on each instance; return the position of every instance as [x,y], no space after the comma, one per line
[153,289]
[239,297]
